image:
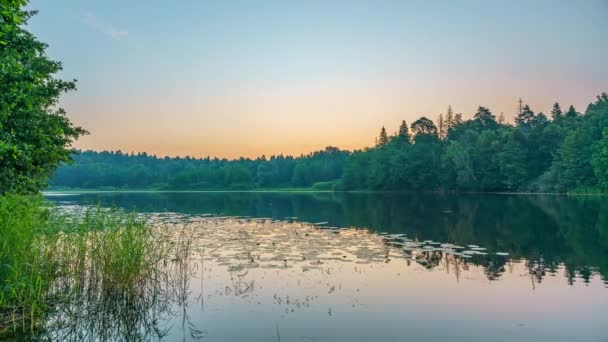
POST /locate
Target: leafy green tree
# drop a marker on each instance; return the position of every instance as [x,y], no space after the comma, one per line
[574,164]
[424,126]
[600,160]
[356,171]
[459,157]
[379,171]
[35,135]
[512,160]
[484,119]
[266,174]
[485,161]
[238,177]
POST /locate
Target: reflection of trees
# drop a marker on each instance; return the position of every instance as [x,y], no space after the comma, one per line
[548,231]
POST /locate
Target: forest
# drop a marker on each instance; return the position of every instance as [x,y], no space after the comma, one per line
[565,151]
[116,169]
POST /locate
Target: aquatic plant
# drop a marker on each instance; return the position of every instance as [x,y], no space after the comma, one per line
[49,258]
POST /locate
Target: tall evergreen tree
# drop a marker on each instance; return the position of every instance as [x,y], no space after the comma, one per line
[441,127]
[525,118]
[571,113]
[383,138]
[404,132]
[501,118]
[449,118]
[485,119]
[458,119]
[520,106]
[556,112]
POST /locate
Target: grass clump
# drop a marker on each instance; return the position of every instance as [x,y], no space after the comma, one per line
[50,258]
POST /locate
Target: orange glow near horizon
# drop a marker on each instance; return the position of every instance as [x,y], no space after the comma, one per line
[250,79]
[290,124]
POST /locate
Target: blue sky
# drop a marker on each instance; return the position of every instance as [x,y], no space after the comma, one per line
[231,78]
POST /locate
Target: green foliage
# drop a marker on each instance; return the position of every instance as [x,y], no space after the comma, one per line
[561,154]
[404,132]
[424,126]
[459,160]
[525,118]
[383,138]
[47,256]
[600,161]
[512,161]
[484,119]
[35,135]
[138,171]
[556,112]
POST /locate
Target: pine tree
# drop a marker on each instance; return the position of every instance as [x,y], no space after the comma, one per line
[457,119]
[556,112]
[520,107]
[571,113]
[383,138]
[501,118]
[449,118]
[525,117]
[441,127]
[404,132]
[485,118]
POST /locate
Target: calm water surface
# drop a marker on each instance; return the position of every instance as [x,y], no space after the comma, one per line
[369,267]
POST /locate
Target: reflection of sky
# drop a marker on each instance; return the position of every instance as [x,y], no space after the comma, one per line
[249,78]
[361,299]
[354,294]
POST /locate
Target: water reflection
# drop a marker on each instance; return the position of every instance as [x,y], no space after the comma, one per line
[258,279]
[548,232]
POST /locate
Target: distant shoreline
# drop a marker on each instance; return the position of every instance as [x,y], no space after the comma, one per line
[306,190]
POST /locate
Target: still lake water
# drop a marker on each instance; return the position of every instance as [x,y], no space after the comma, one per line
[374,267]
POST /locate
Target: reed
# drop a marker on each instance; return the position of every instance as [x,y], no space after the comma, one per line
[50,258]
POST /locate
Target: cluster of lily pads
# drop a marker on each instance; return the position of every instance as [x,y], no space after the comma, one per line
[415,247]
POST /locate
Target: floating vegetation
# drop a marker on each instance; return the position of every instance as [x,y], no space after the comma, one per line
[214,261]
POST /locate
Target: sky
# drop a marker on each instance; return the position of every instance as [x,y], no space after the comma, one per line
[250,78]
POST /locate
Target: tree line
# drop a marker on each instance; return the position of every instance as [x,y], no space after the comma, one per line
[115,169]
[561,152]
[566,151]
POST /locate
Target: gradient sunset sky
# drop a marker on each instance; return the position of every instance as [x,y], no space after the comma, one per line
[246,78]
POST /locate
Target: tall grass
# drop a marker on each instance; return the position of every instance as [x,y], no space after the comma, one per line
[50,259]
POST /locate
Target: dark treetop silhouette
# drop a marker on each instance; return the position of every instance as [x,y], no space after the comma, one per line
[561,153]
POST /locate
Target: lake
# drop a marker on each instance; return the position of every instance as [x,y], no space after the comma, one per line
[269,266]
